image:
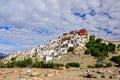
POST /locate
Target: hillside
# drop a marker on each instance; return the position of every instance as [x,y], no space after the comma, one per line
[55,48]
[58,50]
[75,55]
[82,73]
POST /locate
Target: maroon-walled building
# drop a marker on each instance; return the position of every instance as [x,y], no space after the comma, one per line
[81,32]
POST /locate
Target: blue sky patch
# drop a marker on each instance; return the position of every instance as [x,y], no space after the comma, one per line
[5,27]
[105,29]
[44,31]
[107,15]
[83,16]
[92,13]
[101,3]
[41,31]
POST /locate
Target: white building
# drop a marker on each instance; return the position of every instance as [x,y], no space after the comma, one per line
[48,58]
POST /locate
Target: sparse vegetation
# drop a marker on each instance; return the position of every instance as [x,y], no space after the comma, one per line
[24,63]
[98,65]
[89,66]
[88,51]
[118,46]
[9,65]
[92,37]
[42,64]
[29,63]
[108,64]
[48,65]
[70,49]
[116,59]
[2,65]
[57,65]
[98,49]
[72,64]
[96,52]
[38,64]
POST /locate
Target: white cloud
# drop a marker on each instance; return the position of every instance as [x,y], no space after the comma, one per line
[28,17]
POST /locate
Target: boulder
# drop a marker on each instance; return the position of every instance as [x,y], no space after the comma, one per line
[49,74]
[110,77]
[91,75]
[56,73]
[109,71]
[15,72]
[100,71]
[88,71]
[23,72]
[117,76]
[35,74]
[35,78]
[29,71]
[103,76]
[61,68]
[94,70]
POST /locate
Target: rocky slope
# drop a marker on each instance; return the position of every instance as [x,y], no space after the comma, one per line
[67,74]
[81,73]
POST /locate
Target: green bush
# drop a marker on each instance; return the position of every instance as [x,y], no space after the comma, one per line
[27,62]
[70,49]
[98,40]
[13,59]
[42,64]
[10,65]
[87,51]
[100,59]
[92,37]
[2,65]
[96,53]
[98,65]
[38,64]
[57,65]
[72,64]
[116,59]
[19,63]
[111,47]
[89,66]
[52,65]
[49,65]
[98,49]
[118,46]
[24,63]
[108,64]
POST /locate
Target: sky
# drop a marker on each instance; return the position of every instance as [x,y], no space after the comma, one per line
[28,23]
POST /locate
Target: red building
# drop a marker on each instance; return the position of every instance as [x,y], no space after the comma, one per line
[72,32]
[65,34]
[83,32]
